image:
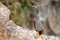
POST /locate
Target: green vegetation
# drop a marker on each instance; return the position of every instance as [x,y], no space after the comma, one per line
[22,14]
[1,0]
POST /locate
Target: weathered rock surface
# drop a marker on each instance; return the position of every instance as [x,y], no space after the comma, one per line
[18,33]
[4,14]
[4,17]
[15,32]
[54,18]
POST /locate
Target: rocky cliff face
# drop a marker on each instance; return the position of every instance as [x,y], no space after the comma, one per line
[18,33]
[4,17]
[50,13]
[53,18]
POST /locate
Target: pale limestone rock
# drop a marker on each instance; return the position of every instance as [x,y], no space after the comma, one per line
[4,14]
[18,33]
[4,17]
[47,37]
[54,19]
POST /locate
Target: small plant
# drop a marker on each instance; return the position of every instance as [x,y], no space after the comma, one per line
[1,0]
